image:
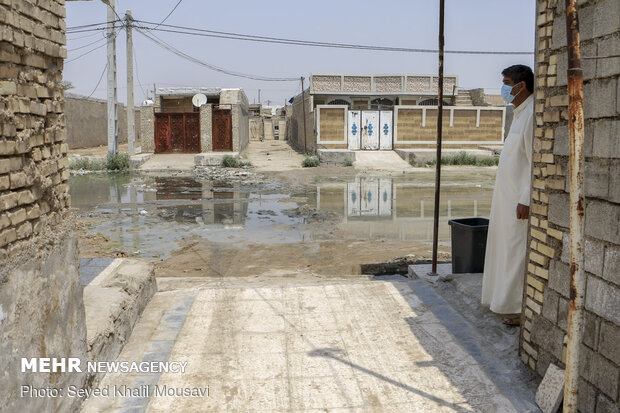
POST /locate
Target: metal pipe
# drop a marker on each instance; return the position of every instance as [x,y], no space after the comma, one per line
[577,206]
[303,108]
[439,126]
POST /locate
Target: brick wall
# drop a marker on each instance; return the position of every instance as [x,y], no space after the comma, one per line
[33,152]
[547,279]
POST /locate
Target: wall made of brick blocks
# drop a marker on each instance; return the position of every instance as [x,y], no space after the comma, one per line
[33,151]
[546,292]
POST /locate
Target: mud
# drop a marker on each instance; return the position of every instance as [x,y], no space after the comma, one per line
[314,222]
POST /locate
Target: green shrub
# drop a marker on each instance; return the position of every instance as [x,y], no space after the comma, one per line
[117,162]
[348,161]
[310,161]
[461,158]
[87,164]
[230,162]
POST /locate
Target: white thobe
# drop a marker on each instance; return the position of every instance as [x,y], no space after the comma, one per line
[504,265]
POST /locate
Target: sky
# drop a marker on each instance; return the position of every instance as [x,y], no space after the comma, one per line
[487,25]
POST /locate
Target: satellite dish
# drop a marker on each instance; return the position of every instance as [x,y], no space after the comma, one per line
[148,102]
[199,99]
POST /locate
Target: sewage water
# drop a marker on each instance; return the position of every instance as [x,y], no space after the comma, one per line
[147,216]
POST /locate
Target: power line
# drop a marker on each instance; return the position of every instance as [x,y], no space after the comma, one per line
[86,45]
[183,55]
[92,25]
[265,39]
[169,14]
[100,77]
[91,50]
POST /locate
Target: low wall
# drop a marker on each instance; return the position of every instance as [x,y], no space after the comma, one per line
[87,122]
[463,127]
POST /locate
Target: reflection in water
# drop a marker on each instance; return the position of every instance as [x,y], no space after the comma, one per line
[396,209]
[147,216]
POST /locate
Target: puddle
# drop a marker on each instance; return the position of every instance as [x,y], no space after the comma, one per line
[146,216]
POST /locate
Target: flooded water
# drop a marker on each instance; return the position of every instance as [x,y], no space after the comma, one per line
[146,216]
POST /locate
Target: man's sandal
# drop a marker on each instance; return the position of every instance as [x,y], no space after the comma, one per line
[512,321]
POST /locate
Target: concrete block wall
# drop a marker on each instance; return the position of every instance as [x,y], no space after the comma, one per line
[39,279]
[147,128]
[295,128]
[206,128]
[87,122]
[546,293]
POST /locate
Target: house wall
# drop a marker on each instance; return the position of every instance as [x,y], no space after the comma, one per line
[87,122]
[147,128]
[256,128]
[546,294]
[206,128]
[40,287]
[296,125]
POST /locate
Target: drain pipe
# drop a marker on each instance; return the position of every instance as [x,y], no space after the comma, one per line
[439,126]
[577,207]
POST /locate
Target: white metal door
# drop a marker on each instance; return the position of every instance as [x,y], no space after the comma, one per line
[353,199]
[369,189]
[370,130]
[354,130]
[385,197]
[385,140]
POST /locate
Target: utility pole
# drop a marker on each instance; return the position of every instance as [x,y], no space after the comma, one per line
[259,98]
[131,130]
[439,139]
[303,107]
[112,93]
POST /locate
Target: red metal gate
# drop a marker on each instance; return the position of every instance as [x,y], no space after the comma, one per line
[222,130]
[177,132]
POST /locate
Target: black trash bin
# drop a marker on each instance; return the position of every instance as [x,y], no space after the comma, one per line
[469,243]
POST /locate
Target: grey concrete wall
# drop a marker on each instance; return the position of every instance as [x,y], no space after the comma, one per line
[206,128]
[296,125]
[548,278]
[147,128]
[87,121]
[256,128]
[42,315]
[240,127]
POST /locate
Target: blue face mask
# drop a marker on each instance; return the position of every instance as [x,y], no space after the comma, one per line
[506,90]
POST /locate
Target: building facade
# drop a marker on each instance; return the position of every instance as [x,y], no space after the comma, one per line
[174,125]
[389,112]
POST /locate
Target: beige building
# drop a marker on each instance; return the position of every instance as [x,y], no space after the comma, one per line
[389,112]
[267,123]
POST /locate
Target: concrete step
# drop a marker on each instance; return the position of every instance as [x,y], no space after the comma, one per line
[455,301]
[380,160]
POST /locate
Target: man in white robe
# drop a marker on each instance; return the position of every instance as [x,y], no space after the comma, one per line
[504,266]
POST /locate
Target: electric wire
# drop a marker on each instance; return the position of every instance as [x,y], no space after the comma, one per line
[100,77]
[86,45]
[185,56]
[91,25]
[91,50]
[169,14]
[266,39]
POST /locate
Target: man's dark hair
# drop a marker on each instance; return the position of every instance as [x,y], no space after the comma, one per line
[520,73]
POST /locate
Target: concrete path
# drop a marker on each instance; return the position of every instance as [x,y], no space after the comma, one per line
[352,345]
[380,160]
[169,162]
[273,156]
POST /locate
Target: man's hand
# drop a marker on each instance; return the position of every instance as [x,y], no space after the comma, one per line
[523,211]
